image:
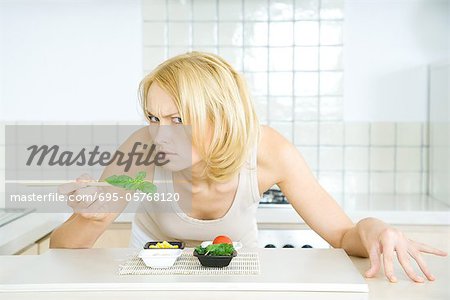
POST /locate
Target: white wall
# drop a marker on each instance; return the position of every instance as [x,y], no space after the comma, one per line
[440,131]
[70,60]
[387,45]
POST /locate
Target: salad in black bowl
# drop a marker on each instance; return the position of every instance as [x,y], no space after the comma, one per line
[215,255]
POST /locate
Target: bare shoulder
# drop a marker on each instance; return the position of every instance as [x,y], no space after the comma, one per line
[134,143]
[273,147]
[274,153]
[136,140]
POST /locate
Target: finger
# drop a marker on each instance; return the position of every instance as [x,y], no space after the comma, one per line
[388,257]
[84,197]
[80,182]
[85,177]
[428,249]
[374,256]
[69,188]
[403,258]
[422,265]
[97,211]
[94,216]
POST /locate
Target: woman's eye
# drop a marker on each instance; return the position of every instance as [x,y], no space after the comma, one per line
[177,120]
[153,119]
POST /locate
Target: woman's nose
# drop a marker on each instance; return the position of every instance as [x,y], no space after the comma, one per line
[163,134]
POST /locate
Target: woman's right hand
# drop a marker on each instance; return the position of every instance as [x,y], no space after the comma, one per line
[87,206]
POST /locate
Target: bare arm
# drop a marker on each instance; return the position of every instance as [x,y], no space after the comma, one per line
[370,237]
[317,208]
[82,232]
[79,232]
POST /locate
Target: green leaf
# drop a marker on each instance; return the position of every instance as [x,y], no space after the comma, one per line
[200,250]
[129,183]
[147,187]
[118,180]
[216,250]
[132,185]
[140,176]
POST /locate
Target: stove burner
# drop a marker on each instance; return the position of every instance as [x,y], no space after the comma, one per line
[273,196]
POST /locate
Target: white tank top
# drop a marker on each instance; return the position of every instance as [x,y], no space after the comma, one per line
[152,222]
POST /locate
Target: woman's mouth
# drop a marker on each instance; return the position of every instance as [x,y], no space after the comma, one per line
[168,153]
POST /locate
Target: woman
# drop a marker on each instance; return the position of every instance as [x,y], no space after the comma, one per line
[220,177]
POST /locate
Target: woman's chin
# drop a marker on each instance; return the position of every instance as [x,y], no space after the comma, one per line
[176,165]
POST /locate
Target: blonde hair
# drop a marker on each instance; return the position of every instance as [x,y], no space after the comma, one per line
[208,91]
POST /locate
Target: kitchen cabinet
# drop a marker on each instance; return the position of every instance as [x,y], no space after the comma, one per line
[39,247]
[33,249]
[44,244]
[116,236]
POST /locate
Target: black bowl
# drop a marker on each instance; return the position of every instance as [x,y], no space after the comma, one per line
[215,261]
[179,244]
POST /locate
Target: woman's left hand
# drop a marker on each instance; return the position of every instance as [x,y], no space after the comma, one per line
[379,238]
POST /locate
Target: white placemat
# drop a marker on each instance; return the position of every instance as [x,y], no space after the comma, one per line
[246,263]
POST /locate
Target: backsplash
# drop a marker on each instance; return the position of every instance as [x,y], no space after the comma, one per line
[291,55]
[367,158]
[439,140]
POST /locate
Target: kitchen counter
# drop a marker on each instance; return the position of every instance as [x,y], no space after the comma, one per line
[59,274]
[405,288]
[26,230]
[392,209]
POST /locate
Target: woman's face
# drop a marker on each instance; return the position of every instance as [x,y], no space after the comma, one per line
[168,132]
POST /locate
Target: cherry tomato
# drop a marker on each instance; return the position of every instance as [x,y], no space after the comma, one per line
[222,239]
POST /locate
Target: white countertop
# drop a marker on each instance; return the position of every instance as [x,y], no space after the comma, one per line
[392,209]
[92,273]
[26,230]
[295,270]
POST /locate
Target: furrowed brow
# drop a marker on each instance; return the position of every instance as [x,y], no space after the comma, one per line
[168,115]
